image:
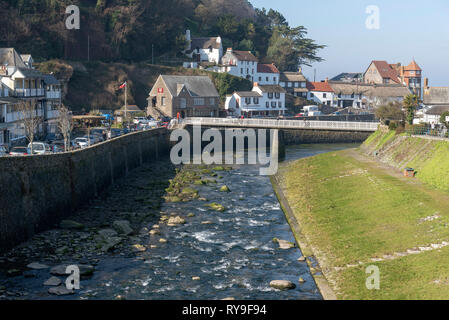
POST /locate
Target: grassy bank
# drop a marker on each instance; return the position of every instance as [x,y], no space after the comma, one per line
[356,212]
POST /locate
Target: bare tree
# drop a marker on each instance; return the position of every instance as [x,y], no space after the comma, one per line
[65,124]
[28,114]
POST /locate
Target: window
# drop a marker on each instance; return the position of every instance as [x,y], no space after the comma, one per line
[277,95]
[273,104]
[212,101]
[198,101]
[296,84]
[182,103]
[303,84]
[289,84]
[339,95]
[162,101]
[280,104]
[267,104]
[324,95]
[256,100]
[260,78]
[266,78]
[241,70]
[248,100]
[270,95]
[274,79]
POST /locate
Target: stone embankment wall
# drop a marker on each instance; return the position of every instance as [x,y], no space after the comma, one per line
[38,191]
[319,136]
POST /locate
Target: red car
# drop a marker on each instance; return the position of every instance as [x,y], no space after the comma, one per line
[299,115]
[19,151]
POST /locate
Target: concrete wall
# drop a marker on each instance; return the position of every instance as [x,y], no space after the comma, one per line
[319,136]
[38,191]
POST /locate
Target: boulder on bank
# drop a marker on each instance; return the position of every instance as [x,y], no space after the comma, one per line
[284,244]
[123,227]
[282,285]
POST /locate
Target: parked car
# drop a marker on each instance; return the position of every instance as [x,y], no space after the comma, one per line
[115,132]
[83,142]
[19,151]
[140,120]
[40,148]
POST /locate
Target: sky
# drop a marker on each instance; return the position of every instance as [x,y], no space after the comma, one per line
[408,29]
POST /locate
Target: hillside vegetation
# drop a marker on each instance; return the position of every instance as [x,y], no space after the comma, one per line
[94,85]
[428,157]
[132,30]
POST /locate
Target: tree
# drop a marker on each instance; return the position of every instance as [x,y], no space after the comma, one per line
[65,124]
[410,105]
[29,115]
[443,119]
[391,112]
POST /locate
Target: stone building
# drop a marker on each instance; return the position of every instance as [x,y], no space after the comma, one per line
[191,96]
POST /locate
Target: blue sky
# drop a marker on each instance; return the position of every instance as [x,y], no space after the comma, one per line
[408,29]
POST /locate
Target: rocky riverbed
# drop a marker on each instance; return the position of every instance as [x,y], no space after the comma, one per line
[167,233]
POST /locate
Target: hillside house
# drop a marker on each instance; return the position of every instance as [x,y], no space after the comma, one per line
[267,74]
[191,96]
[240,63]
[208,49]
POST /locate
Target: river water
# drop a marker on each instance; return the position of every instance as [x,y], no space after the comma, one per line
[233,254]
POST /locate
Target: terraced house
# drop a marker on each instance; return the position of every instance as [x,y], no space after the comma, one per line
[190,96]
[20,81]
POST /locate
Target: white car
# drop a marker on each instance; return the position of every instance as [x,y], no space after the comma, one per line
[40,148]
[141,120]
[82,142]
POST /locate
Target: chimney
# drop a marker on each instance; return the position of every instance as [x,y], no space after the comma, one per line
[188,40]
[218,39]
[327,80]
[255,84]
[229,50]
[426,83]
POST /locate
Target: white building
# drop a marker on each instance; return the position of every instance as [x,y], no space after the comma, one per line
[262,101]
[240,63]
[321,92]
[204,49]
[267,74]
[20,81]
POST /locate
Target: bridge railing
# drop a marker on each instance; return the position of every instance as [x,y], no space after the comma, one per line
[283,124]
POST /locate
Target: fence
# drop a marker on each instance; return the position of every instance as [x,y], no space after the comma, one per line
[284,124]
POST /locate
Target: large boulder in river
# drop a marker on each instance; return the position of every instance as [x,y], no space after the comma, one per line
[284,244]
[282,285]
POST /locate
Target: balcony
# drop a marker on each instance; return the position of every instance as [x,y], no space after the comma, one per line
[28,93]
[53,94]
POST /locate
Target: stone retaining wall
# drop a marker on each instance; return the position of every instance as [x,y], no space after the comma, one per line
[38,191]
[320,136]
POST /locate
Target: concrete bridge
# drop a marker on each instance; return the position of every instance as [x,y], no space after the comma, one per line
[347,126]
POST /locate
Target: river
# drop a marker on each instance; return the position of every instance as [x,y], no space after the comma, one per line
[232,252]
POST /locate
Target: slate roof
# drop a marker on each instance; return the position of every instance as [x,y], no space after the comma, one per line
[198,86]
[370,90]
[50,79]
[438,110]
[11,57]
[248,94]
[351,76]
[244,55]
[272,88]
[436,95]
[205,43]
